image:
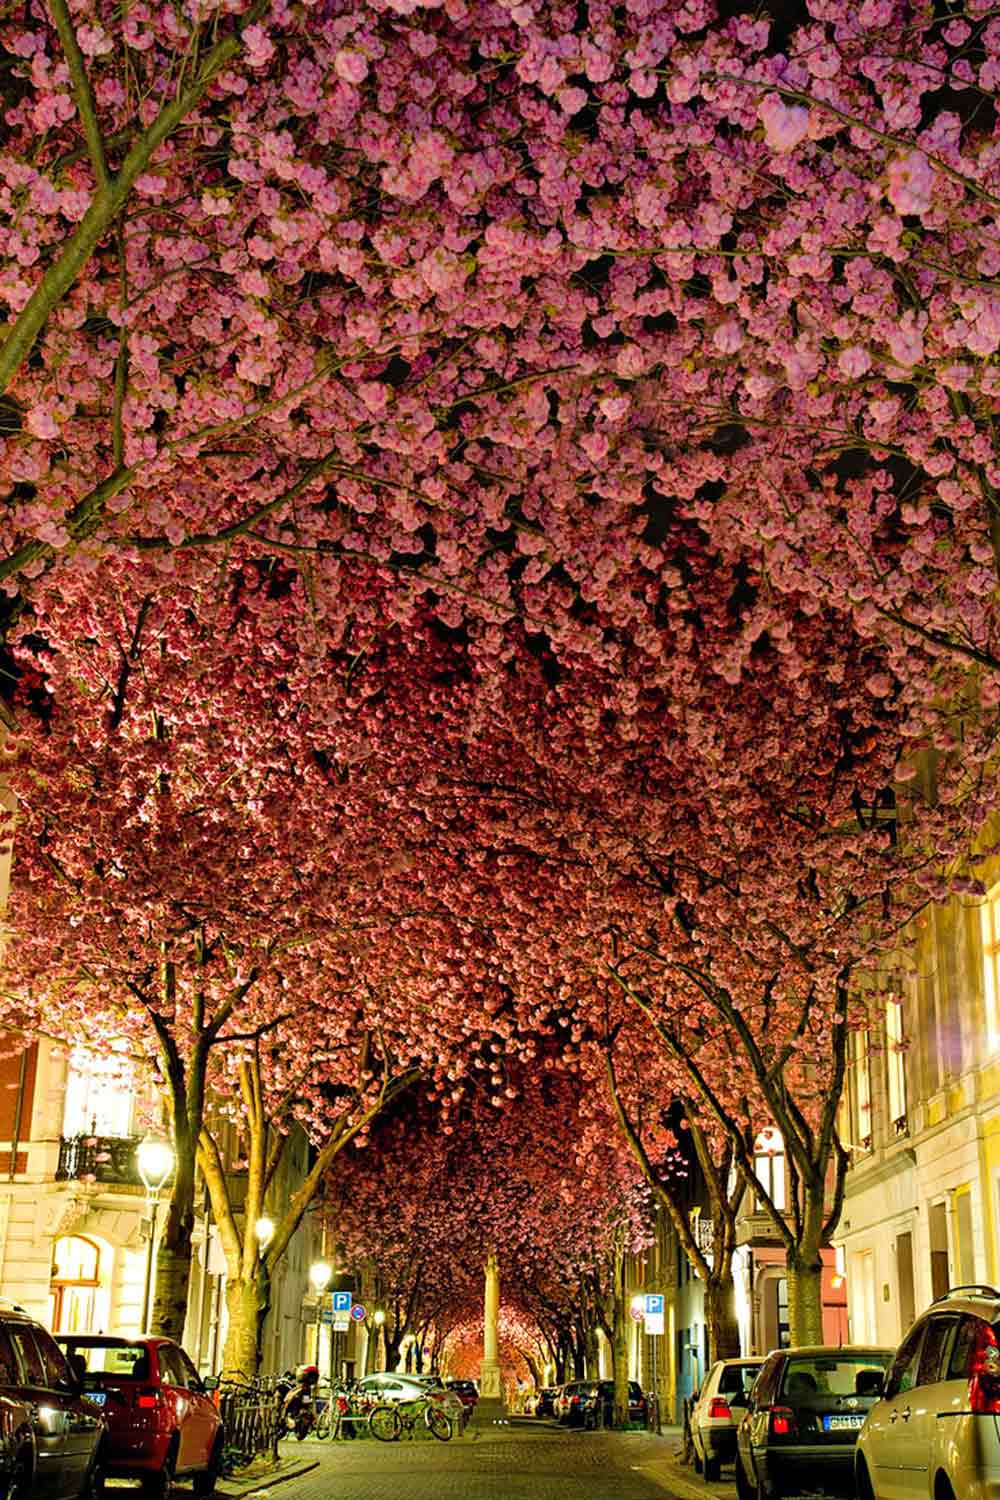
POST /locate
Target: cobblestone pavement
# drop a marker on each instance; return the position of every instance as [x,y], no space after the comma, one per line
[496,1463]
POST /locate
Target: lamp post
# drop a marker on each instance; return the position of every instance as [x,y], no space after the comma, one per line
[320,1276]
[380,1336]
[155,1159]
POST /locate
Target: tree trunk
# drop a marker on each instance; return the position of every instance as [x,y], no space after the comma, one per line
[242,1351]
[619,1358]
[720,1319]
[168,1314]
[593,1356]
[805,1296]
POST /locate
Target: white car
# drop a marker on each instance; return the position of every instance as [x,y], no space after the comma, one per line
[717,1411]
[934,1434]
[392,1386]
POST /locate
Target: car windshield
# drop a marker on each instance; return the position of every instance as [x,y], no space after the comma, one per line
[737,1379]
[122,1359]
[829,1375]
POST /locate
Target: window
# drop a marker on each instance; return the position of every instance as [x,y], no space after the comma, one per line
[53,1359]
[9,1373]
[903,1370]
[895,1062]
[962,1349]
[76,1274]
[172,1371]
[28,1356]
[99,1094]
[769,1166]
[936,1350]
[990,926]
[860,1090]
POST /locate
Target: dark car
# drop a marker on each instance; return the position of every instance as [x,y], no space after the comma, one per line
[161,1420]
[51,1436]
[803,1417]
[545,1402]
[466,1390]
[571,1402]
[600,1406]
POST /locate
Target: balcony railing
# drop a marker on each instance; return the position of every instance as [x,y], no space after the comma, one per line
[98,1158]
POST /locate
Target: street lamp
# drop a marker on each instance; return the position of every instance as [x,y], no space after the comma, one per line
[320,1275]
[154,1158]
[263,1233]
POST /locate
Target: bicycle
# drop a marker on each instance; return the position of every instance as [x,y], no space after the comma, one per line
[388,1422]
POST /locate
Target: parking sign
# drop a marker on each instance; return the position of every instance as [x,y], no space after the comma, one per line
[342,1301]
[652,1310]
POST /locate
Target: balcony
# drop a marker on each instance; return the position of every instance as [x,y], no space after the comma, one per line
[98,1158]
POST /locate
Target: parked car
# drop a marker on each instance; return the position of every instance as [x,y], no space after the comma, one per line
[161,1419]
[717,1411]
[599,1407]
[51,1436]
[388,1385]
[466,1390]
[935,1431]
[572,1402]
[545,1401]
[803,1417]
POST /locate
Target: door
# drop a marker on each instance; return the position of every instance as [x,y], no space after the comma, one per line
[49,1417]
[203,1417]
[885,1431]
[83,1423]
[919,1429]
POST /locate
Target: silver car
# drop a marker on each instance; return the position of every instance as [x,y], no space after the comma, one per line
[934,1434]
[391,1386]
[718,1409]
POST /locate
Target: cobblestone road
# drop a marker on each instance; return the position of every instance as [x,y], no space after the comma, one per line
[498,1463]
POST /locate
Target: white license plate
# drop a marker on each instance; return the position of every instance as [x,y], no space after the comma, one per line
[842,1424]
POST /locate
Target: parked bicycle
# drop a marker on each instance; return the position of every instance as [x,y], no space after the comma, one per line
[389,1422]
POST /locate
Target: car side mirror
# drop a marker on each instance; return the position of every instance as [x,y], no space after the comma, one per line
[869,1383]
[77,1369]
[210,1383]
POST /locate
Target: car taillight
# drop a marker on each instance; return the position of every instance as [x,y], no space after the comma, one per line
[719,1407]
[984,1373]
[782,1422]
[147,1400]
[574,1400]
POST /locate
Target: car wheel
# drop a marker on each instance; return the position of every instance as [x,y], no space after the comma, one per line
[713,1468]
[695,1455]
[744,1489]
[203,1484]
[863,1484]
[93,1485]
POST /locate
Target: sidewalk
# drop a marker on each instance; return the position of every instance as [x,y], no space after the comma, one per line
[262,1474]
[660,1461]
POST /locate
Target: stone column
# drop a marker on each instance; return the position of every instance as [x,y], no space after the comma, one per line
[489,1380]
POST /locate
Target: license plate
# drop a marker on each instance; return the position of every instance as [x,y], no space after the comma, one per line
[98,1397]
[843,1424]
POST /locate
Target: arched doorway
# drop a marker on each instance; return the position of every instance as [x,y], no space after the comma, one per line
[78,1299]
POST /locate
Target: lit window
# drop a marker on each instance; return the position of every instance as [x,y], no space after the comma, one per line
[860,1091]
[99,1094]
[990,918]
[896,1065]
[769,1165]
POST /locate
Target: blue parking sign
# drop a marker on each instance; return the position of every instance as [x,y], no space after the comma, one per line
[342,1301]
[654,1304]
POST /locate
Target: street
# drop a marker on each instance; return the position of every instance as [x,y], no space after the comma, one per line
[496,1463]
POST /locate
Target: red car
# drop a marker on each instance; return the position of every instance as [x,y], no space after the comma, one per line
[161,1421]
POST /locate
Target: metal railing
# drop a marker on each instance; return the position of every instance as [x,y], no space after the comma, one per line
[98,1158]
[251,1420]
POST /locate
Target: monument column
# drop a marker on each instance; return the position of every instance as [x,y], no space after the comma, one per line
[489,1380]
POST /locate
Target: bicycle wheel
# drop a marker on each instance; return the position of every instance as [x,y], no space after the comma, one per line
[439,1423]
[385,1424]
[323,1422]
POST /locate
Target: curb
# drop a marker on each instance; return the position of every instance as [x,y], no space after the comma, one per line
[265,1482]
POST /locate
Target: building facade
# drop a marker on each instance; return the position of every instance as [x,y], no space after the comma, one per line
[923,1121]
[74,1220]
